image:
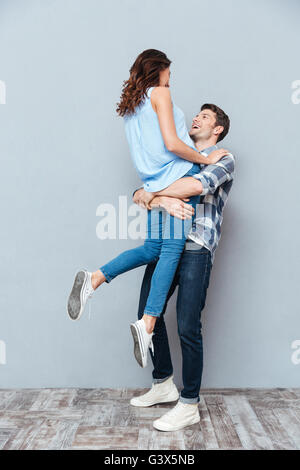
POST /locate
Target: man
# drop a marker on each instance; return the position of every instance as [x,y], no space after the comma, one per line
[213,184]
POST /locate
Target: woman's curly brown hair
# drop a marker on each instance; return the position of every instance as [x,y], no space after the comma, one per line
[144,74]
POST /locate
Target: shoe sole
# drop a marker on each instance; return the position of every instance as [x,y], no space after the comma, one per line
[75,307]
[169,400]
[176,428]
[137,346]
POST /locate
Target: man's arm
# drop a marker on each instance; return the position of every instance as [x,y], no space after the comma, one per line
[180,189]
[207,180]
[204,182]
[212,176]
[176,207]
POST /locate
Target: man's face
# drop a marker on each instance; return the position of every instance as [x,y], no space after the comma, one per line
[203,125]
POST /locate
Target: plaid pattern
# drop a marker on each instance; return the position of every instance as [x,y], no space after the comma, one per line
[216,180]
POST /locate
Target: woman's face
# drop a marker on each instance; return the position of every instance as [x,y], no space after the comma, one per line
[164,77]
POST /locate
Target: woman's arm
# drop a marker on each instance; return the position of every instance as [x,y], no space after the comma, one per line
[162,105]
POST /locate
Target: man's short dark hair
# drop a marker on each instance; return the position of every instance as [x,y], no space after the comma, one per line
[221,119]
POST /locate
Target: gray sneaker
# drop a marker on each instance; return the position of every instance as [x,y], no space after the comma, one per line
[81,291]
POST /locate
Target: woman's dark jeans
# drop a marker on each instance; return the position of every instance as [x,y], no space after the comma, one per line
[192,277]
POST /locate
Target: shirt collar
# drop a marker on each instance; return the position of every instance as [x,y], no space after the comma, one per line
[208,150]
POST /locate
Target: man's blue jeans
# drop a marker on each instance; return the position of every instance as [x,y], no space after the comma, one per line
[192,277]
[166,236]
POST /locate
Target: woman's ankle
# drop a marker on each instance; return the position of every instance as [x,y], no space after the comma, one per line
[97,279]
[149,322]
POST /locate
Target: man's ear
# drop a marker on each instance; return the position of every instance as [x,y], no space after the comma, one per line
[218,130]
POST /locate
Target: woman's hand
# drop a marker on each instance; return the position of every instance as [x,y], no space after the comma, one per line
[216,155]
[143,198]
[176,207]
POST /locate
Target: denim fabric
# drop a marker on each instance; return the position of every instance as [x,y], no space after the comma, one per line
[166,236]
[192,277]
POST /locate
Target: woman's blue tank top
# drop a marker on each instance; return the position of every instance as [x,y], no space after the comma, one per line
[156,166]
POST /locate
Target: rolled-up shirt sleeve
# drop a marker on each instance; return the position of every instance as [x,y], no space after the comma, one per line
[212,176]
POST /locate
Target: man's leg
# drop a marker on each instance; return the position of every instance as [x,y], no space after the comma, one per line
[194,275]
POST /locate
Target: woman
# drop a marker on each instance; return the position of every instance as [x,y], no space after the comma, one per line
[162,152]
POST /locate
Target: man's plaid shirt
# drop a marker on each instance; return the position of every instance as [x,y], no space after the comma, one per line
[216,180]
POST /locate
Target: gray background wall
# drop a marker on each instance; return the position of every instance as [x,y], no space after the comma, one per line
[63,152]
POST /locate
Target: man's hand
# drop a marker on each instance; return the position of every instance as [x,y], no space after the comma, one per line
[176,207]
[143,198]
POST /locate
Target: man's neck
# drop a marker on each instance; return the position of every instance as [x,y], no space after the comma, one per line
[204,144]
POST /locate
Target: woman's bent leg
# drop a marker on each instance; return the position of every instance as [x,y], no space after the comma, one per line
[175,233]
[141,255]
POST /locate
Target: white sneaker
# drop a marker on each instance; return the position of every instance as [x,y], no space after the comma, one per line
[163,392]
[142,341]
[81,291]
[182,415]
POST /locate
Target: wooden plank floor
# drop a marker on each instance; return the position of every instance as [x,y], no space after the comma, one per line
[104,419]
